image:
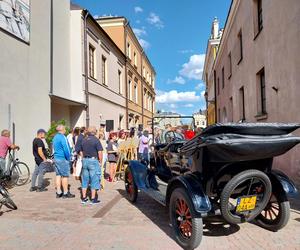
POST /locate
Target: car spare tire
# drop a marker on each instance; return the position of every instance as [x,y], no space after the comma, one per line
[245,196]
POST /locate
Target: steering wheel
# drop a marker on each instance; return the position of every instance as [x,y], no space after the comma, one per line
[171,136]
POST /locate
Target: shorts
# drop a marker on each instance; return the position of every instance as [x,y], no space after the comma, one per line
[62,167]
[91,173]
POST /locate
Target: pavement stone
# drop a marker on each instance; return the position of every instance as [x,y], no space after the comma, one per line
[44,222]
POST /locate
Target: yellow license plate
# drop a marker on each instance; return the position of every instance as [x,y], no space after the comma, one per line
[246,203]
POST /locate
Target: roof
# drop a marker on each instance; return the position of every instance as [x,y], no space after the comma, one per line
[74,6]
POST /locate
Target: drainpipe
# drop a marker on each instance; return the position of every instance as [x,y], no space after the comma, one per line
[86,85]
[126,79]
[51,47]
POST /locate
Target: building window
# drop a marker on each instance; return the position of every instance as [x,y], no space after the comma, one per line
[223,78]
[104,70]
[262,92]
[120,82]
[218,85]
[147,78]
[92,62]
[129,50]
[259,15]
[240,37]
[242,104]
[230,65]
[144,72]
[231,109]
[135,59]
[135,93]
[129,90]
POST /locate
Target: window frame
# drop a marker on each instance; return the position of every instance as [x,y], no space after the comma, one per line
[104,70]
[223,78]
[120,82]
[92,71]
[240,37]
[230,65]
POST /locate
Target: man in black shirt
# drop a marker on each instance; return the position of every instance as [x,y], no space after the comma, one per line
[91,151]
[39,153]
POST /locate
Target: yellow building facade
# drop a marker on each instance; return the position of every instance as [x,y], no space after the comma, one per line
[140,74]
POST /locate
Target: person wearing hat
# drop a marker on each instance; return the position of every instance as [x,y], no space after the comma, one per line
[39,152]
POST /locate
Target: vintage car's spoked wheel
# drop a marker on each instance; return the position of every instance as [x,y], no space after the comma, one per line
[276,214]
[245,196]
[130,186]
[187,228]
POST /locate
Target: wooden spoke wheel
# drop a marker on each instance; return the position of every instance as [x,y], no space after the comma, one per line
[276,214]
[187,228]
[130,186]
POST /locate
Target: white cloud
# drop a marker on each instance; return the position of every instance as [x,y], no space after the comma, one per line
[138,21]
[185,51]
[173,106]
[173,96]
[138,9]
[155,20]
[178,79]
[188,105]
[144,43]
[199,86]
[193,69]
[139,32]
[202,94]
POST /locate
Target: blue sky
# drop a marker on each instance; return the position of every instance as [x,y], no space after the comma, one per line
[174,35]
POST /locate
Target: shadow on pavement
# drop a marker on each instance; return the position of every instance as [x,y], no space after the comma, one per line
[216,226]
[158,214]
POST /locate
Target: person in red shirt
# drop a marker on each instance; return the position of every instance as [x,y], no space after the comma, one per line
[5,145]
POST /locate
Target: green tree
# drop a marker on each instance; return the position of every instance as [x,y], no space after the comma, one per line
[52,130]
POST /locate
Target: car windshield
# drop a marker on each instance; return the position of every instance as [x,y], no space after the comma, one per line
[168,128]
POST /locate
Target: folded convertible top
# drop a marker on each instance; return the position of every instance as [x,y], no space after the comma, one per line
[243,142]
[251,128]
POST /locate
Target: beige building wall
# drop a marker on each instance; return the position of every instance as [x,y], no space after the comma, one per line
[138,113]
[106,99]
[273,49]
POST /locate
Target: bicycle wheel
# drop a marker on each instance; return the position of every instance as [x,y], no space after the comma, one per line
[6,200]
[20,174]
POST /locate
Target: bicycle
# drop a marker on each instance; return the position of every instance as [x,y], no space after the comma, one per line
[18,172]
[5,199]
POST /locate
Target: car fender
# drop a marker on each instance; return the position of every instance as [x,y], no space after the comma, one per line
[139,172]
[192,184]
[281,180]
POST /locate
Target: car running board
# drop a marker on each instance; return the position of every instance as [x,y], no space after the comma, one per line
[156,195]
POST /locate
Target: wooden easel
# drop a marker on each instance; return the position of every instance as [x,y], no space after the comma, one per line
[127,152]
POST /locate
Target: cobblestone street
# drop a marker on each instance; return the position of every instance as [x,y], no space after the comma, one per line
[44,222]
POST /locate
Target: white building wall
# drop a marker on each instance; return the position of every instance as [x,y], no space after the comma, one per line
[24,80]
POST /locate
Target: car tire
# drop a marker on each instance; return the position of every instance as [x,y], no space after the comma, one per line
[130,186]
[276,214]
[187,228]
[226,210]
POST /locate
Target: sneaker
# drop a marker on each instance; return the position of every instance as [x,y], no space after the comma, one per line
[59,195]
[32,189]
[68,195]
[94,201]
[41,189]
[84,201]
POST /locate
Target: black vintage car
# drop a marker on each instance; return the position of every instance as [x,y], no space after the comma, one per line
[226,170]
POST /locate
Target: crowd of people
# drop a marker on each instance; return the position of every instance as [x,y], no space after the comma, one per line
[85,153]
